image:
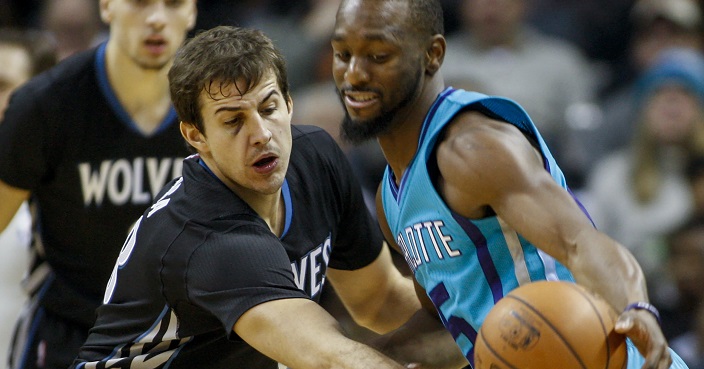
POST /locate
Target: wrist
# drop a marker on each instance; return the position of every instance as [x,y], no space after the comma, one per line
[643,305]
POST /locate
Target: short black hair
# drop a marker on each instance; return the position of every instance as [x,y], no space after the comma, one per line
[427,16]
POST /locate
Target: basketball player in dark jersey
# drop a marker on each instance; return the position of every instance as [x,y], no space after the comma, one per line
[225,269]
[472,195]
[89,143]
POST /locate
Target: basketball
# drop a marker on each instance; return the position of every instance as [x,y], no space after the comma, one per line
[550,325]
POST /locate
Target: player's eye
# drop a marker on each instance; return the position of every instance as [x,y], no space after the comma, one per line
[379,58]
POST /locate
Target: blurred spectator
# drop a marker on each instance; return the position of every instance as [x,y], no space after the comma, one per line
[597,27]
[75,24]
[690,345]
[23,54]
[657,25]
[497,51]
[695,176]
[683,321]
[296,27]
[640,193]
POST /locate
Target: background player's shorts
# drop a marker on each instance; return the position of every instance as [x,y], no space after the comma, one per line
[42,340]
[636,360]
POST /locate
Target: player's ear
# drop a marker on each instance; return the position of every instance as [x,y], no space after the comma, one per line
[105,11]
[193,13]
[193,136]
[435,54]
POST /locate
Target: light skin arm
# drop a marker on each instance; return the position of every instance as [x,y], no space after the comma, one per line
[377,296]
[489,165]
[300,334]
[11,199]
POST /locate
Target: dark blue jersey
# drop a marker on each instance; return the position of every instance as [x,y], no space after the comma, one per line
[200,257]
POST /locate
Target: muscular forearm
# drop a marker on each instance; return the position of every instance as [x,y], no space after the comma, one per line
[609,269]
[396,309]
[423,339]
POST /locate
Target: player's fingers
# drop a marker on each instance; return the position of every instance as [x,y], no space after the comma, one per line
[646,335]
[658,359]
[624,324]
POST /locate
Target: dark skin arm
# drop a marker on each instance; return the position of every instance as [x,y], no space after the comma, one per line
[489,166]
[423,338]
[377,296]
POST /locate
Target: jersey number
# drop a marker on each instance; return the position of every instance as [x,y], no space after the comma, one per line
[125,253]
[456,325]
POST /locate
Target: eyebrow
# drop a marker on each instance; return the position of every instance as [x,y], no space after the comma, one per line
[370,36]
[237,108]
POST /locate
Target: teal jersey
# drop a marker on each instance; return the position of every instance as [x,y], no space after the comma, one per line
[465,265]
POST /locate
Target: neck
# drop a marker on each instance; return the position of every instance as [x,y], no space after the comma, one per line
[144,93]
[401,143]
[272,209]
[269,206]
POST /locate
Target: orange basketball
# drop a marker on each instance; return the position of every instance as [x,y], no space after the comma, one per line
[550,325]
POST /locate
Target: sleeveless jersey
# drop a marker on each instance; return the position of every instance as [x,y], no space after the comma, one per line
[465,265]
[200,257]
[67,139]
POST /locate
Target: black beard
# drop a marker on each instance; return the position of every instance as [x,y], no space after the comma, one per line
[361,131]
[358,132]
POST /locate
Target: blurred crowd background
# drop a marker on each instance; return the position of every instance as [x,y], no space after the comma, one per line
[615,86]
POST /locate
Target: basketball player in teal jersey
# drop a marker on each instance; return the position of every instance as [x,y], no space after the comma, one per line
[472,196]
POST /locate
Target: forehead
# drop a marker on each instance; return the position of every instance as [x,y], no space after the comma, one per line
[219,92]
[372,19]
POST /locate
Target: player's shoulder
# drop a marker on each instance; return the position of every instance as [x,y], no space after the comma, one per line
[313,140]
[305,132]
[476,124]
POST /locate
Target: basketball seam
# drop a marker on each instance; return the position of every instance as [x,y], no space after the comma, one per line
[601,321]
[569,346]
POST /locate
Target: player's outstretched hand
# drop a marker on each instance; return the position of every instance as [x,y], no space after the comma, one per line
[644,331]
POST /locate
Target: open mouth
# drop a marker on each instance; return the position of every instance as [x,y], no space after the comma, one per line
[265,162]
[360,99]
[155,45]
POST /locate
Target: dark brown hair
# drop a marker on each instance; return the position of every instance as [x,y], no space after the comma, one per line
[216,58]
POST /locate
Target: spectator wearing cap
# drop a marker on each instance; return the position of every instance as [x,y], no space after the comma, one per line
[641,192]
[657,25]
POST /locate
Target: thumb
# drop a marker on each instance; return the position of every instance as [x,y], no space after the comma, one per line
[624,323]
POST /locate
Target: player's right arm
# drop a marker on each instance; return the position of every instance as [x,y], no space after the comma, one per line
[11,199]
[489,167]
[299,333]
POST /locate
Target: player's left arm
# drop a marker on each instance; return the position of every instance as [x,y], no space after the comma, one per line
[487,164]
[377,296]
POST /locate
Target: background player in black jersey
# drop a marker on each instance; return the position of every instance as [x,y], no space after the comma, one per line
[224,270]
[89,143]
